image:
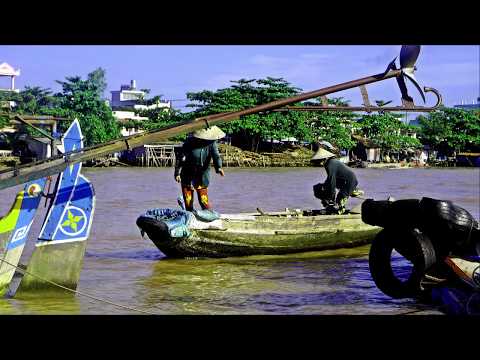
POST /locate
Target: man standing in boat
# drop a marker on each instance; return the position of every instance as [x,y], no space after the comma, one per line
[192,165]
[339,176]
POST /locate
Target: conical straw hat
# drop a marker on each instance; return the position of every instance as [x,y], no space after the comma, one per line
[326,145]
[322,154]
[212,133]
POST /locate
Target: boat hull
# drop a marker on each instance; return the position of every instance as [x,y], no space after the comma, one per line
[246,234]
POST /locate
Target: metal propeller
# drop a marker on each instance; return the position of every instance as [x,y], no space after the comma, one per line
[408,57]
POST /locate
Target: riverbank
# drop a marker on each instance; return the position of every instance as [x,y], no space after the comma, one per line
[287,156]
[8,162]
[291,156]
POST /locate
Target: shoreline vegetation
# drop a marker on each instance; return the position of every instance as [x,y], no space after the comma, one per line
[443,134]
[290,156]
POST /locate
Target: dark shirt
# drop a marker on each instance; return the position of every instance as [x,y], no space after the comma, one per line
[194,159]
[339,176]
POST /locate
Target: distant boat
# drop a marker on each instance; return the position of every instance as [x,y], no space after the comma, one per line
[468,159]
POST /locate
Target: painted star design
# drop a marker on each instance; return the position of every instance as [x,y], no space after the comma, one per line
[72,221]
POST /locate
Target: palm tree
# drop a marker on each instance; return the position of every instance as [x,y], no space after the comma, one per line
[32,99]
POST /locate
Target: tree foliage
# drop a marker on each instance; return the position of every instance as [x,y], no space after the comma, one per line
[387,131]
[446,130]
[333,126]
[246,93]
[32,101]
[451,129]
[98,80]
[81,99]
[159,118]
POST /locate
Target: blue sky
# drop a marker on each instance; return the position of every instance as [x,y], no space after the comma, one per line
[175,70]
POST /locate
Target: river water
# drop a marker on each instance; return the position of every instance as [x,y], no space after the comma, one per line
[122,267]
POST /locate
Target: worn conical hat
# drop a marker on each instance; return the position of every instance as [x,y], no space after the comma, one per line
[212,133]
[326,145]
[322,154]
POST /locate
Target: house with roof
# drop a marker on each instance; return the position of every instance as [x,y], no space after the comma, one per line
[365,149]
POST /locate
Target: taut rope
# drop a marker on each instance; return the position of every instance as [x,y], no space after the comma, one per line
[76,291]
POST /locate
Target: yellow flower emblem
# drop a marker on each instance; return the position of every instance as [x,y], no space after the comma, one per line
[72,221]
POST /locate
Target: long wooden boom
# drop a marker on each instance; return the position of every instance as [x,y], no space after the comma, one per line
[14,176]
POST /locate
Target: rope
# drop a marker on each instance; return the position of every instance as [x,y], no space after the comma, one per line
[412,312]
[76,291]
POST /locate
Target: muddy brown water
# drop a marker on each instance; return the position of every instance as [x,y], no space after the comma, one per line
[123,268]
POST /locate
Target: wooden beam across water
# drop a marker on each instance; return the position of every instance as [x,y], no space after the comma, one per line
[19,175]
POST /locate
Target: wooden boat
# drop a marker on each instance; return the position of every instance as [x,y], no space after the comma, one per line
[460,294]
[254,233]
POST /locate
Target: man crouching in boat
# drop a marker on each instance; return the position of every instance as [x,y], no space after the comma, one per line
[339,176]
[192,165]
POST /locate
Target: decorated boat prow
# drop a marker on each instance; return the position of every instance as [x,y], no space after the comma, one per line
[61,245]
[14,230]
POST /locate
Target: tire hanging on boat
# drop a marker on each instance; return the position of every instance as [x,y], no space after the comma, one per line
[414,246]
[453,228]
[403,213]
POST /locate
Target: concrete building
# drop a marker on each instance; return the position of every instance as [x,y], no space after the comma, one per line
[130,97]
[126,101]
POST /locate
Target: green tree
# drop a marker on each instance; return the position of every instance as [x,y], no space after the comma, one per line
[388,131]
[451,129]
[3,121]
[5,98]
[98,79]
[335,127]
[33,100]
[249,130]
[82,99]
[79,98]
[159,118]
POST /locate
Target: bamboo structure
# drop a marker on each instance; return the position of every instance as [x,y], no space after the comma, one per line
[159,155]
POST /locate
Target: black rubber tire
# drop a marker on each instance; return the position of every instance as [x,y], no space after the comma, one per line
[446,212]
[375,212]
[475,240]
[414,245]
[452,227]
[404,213]
[397,214]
